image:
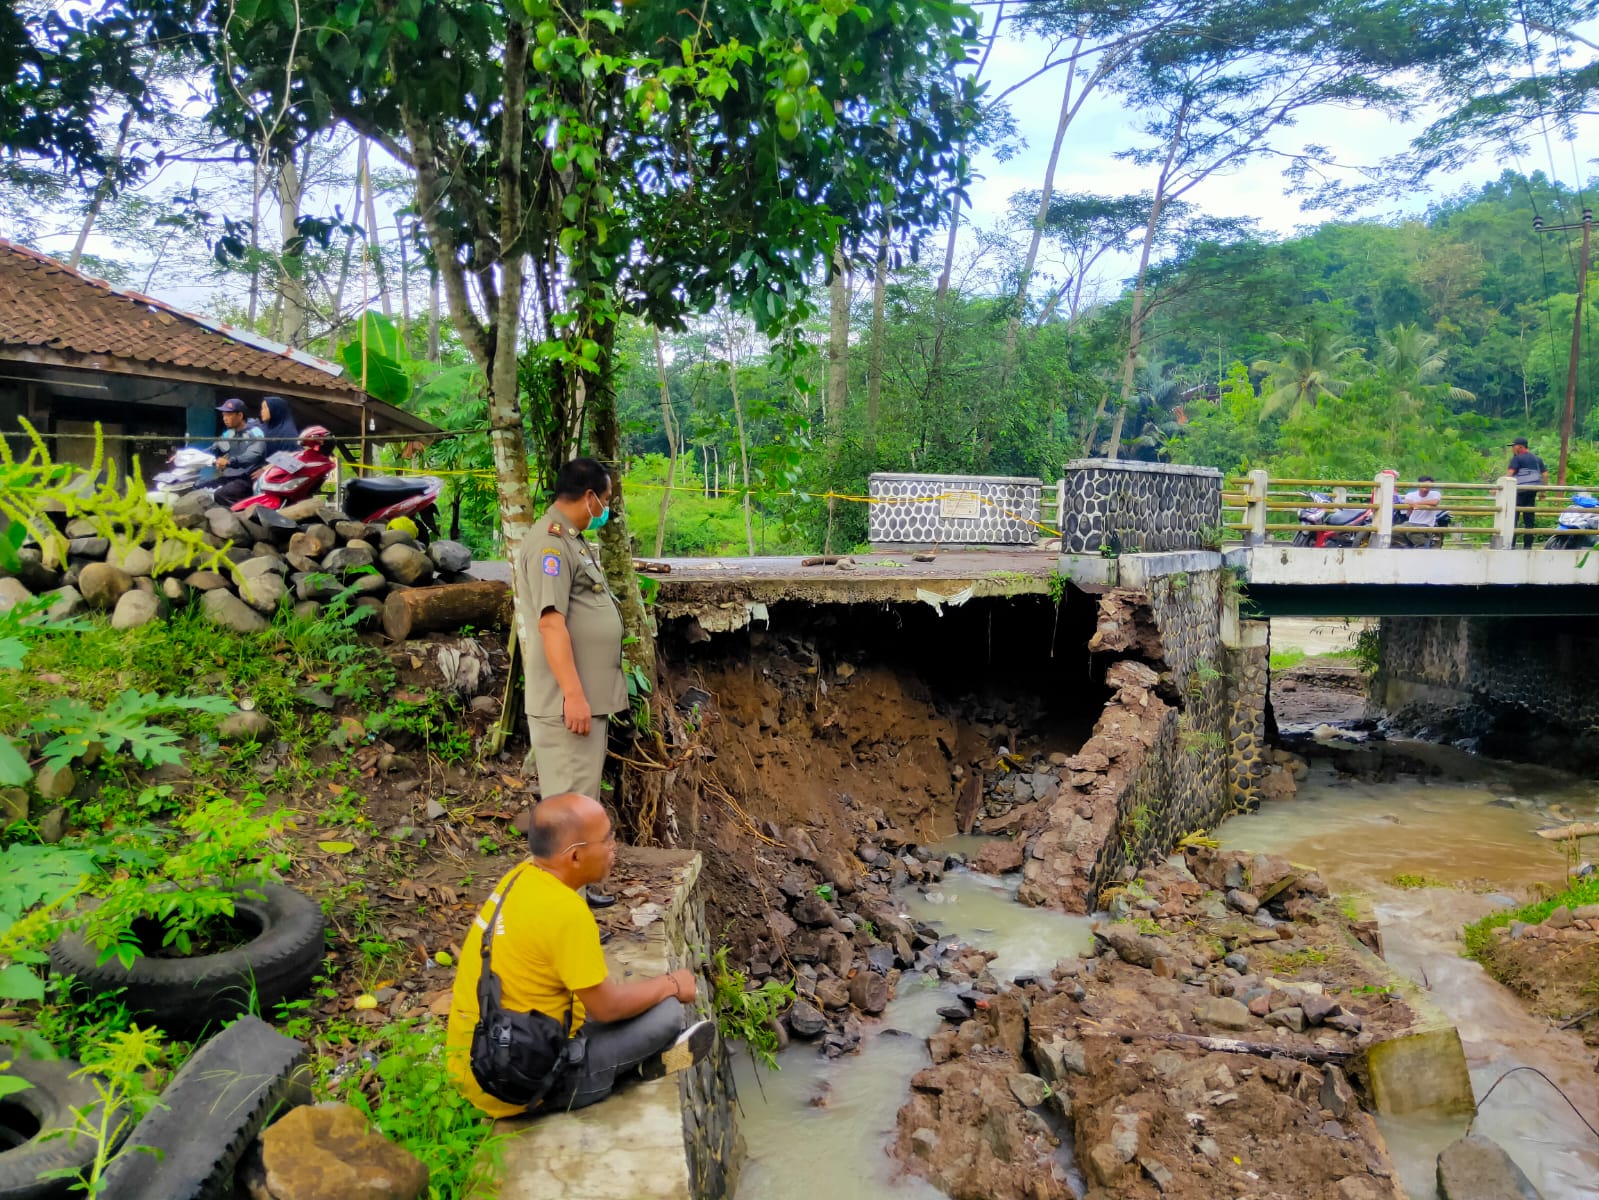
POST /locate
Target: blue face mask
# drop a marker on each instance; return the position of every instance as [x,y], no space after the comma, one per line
[599,521]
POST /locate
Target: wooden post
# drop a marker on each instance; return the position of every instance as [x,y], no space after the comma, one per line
[1576,346]
[1504,537]
[1255,511]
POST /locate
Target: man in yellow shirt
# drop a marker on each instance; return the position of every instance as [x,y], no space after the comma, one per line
[546,953]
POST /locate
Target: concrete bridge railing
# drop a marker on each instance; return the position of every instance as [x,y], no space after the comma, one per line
[1261,509]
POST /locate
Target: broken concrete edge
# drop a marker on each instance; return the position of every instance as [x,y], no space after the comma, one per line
[725,606]
[669,1139]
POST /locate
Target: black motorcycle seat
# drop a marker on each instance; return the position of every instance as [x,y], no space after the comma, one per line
[1345,516]
[389,486]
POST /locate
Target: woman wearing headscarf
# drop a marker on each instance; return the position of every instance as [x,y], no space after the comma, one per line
[278,427]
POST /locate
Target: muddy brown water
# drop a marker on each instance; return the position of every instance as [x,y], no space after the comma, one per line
[799,1149]
[1476,835]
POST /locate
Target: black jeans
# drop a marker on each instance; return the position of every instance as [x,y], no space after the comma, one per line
[615,1050]
[1529,519]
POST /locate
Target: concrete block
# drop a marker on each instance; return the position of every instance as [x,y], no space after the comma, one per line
[1423,1071]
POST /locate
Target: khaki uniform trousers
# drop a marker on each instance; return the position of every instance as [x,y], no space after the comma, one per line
[565,761]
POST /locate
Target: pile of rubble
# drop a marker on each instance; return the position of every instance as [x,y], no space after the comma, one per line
[309,550]
[832,927]
[1210,1048]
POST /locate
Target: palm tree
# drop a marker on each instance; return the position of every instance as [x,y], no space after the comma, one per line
[1312,368]
[1411,364]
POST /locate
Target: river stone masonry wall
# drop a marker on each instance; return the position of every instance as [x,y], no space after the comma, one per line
[1164,758]
[1144,507]
[976,510]
[1523,689]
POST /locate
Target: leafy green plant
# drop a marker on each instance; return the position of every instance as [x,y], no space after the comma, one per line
[121,1072]
[409,1096]
[75,729]
[746,1012]
[190,892]
[1406,880]
[1368,649]
[35,883]
[1057,587]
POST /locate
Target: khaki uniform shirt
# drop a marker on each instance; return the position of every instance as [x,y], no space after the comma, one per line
[556,568]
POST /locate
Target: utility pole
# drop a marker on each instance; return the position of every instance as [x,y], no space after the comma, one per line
[1566,422]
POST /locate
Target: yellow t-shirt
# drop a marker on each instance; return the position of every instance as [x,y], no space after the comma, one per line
[546,947]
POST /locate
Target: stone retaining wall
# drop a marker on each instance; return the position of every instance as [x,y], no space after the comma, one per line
[1522,689]
[1138,506]
[1179,746]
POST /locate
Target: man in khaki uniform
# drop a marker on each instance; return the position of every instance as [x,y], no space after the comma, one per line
[573,658]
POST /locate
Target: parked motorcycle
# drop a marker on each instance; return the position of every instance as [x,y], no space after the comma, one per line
[379,498]
[1422,537]
[186,471]
[1579,525]
[291,477]
[1353,523]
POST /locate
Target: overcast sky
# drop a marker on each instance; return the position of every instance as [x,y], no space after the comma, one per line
[1256,190]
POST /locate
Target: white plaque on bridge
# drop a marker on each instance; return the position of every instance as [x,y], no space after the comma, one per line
[961,506]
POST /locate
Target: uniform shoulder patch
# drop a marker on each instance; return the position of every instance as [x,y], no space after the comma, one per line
[552,562]
[555,528]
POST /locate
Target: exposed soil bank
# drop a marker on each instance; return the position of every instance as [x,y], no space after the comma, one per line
[828,749]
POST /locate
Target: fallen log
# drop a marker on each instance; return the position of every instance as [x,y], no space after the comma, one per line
[821,560]
[1566,833]
[652,566]
[485,604]
[1227,1045]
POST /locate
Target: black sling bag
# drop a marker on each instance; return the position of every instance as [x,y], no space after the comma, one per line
[516,1057]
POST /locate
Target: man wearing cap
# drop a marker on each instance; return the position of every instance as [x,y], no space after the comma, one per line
[572,628]
[238,452]
[1528,470]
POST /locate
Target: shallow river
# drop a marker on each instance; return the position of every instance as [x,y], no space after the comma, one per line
[821,1128]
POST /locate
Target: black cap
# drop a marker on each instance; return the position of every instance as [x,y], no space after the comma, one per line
[1520,441]
[233,405]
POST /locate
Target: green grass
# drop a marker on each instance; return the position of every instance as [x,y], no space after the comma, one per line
[1282,660]
[1479,934]
[1403,880]
[696,524]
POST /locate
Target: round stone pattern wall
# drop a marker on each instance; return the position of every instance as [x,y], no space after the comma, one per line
[953,510]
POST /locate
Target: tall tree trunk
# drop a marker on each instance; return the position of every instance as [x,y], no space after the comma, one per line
[433,314]
[291,280]
[257,186]
[405,275]
[102,193]
[874,364]
[494,350]
[616,544]
[738,416]
[373,241]
[949,251]
[1135,318]
[1008,363]
[671,442]
[837,343]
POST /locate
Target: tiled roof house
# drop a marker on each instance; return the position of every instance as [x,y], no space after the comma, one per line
[76,351]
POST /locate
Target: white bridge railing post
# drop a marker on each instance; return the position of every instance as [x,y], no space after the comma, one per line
[1504,537]
[1255,508]
[1383,494]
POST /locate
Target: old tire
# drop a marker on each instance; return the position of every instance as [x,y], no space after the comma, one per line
[187,1147]
[185,995]
[27,1116]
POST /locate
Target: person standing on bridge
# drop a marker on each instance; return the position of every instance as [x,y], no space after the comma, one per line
[572,631]
[1528,470]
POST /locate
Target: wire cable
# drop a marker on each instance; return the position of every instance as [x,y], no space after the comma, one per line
[1541,1076]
